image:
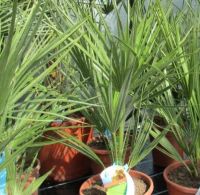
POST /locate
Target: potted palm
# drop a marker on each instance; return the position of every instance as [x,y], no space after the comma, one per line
[183,177]
[112,70]
[118,152]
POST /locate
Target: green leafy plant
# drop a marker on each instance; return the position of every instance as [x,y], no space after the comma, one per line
[120,72]
[26,104]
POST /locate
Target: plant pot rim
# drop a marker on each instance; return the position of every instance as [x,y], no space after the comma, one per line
[100,151]
[96,150]
[74,120]
[170,168]
[103,151]
[147,179]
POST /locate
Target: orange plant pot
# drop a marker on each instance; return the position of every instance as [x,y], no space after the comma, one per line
[67,163]
[88,183]
[173,188]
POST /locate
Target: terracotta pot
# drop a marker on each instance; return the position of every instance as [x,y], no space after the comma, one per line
[33,176]
[67,162]
[159,158]
[135,174]
[173,188]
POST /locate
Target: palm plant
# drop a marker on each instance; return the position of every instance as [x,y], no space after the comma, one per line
[26,104]
[184,116]
[120,72]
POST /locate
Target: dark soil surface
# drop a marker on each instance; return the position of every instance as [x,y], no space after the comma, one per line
[182,176]
[98,143]
[96,189]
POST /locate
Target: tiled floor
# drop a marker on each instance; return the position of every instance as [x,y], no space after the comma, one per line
[72,187]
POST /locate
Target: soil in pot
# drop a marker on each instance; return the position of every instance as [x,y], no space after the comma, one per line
[98,145]
[97,188]
[182,177]
[93,186]
[67,162]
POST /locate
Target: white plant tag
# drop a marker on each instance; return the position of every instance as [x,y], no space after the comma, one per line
[108,173]
[198,192]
